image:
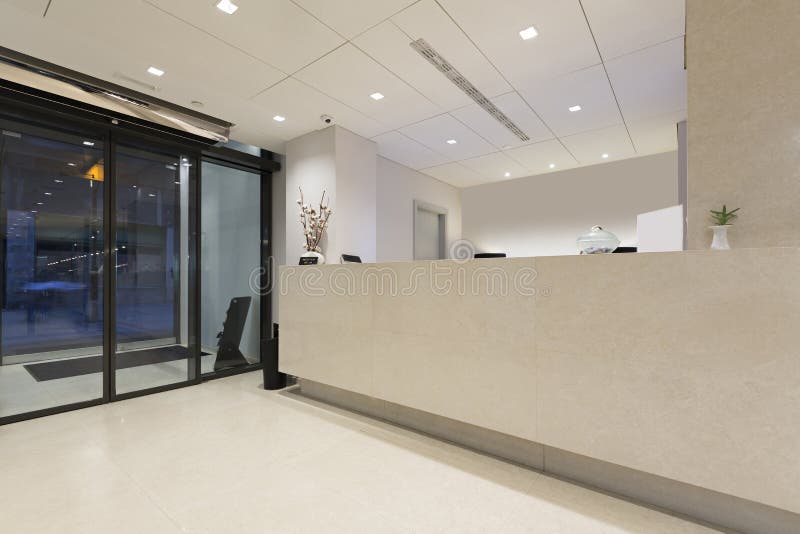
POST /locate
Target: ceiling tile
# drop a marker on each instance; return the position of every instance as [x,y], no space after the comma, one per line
[352,17]
[623,26]
[588,147]
[564,43]
[588,88]
[651,81]
[119,54]
[656,134]
[435,132]
[516,109]
[302,106]
[538,157]
[397,147]
[276,31]
[252,135]
[426,20]
[494,167]
[455,174]
[350,76]
[388,45]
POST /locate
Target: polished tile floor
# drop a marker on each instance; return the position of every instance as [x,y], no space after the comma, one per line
[229,457]
[20,392]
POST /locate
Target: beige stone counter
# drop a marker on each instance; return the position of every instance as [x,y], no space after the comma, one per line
[684,365]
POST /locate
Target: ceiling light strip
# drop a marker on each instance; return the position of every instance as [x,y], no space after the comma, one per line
[452,74]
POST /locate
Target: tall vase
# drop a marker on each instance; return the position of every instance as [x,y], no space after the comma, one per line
[720,241]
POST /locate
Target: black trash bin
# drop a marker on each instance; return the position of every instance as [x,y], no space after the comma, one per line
[273,379]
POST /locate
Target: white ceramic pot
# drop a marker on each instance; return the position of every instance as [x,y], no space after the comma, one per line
[720,241]
[313,254]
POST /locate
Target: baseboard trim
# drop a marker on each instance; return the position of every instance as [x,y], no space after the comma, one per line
[714,509]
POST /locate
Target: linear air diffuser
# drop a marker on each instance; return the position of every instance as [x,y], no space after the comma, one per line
[452,74]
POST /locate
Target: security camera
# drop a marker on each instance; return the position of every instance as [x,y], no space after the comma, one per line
[327,119]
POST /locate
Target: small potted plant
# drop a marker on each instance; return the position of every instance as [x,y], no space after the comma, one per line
[723,220]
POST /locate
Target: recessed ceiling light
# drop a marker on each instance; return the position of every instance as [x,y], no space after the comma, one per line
[279,118]
[177,182]
[575,108]
[58,181]
[528,33]
[151,194]
[40,203]
[376,96]
[70,164]
[34,211]
[48,194]
[604,156]
[88,143]
[227,6]
[507,174]
[155,71]
[451,141]
[552,165]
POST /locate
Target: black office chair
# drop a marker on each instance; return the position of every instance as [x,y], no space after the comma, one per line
[349,258]
[479,255]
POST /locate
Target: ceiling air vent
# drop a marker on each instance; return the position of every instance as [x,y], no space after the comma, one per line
[444,66]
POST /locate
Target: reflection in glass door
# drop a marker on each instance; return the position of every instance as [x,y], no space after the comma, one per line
[153,325]
[51,258]
[231,257]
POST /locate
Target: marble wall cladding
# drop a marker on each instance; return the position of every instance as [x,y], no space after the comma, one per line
[683,365]
[744,118]
[326,326]
[438,330]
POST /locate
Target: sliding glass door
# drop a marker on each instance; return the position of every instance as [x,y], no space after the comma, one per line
[107,246]
[231,260]
[51,281]
[154,331]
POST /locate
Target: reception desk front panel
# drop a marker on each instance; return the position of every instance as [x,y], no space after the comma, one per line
[684,365]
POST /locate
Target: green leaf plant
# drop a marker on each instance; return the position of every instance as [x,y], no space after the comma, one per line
[724,217]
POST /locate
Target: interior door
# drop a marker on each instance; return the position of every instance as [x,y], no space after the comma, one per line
[429,232]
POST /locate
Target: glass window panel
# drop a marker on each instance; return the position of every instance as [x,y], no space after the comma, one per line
[231,257]
[51,270]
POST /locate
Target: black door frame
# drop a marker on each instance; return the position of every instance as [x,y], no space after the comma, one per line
[110,223]
[262,165]
[59,116]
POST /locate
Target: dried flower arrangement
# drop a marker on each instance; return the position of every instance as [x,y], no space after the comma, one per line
[314,222]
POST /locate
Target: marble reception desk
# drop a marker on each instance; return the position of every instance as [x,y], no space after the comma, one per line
[684,365]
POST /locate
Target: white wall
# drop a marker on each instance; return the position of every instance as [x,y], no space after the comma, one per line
[310,164]
[342,164]
[355,211]
[543,215]
[397,188]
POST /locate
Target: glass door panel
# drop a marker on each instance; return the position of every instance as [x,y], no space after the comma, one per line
[230,247]
[51,275]
[153,345]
